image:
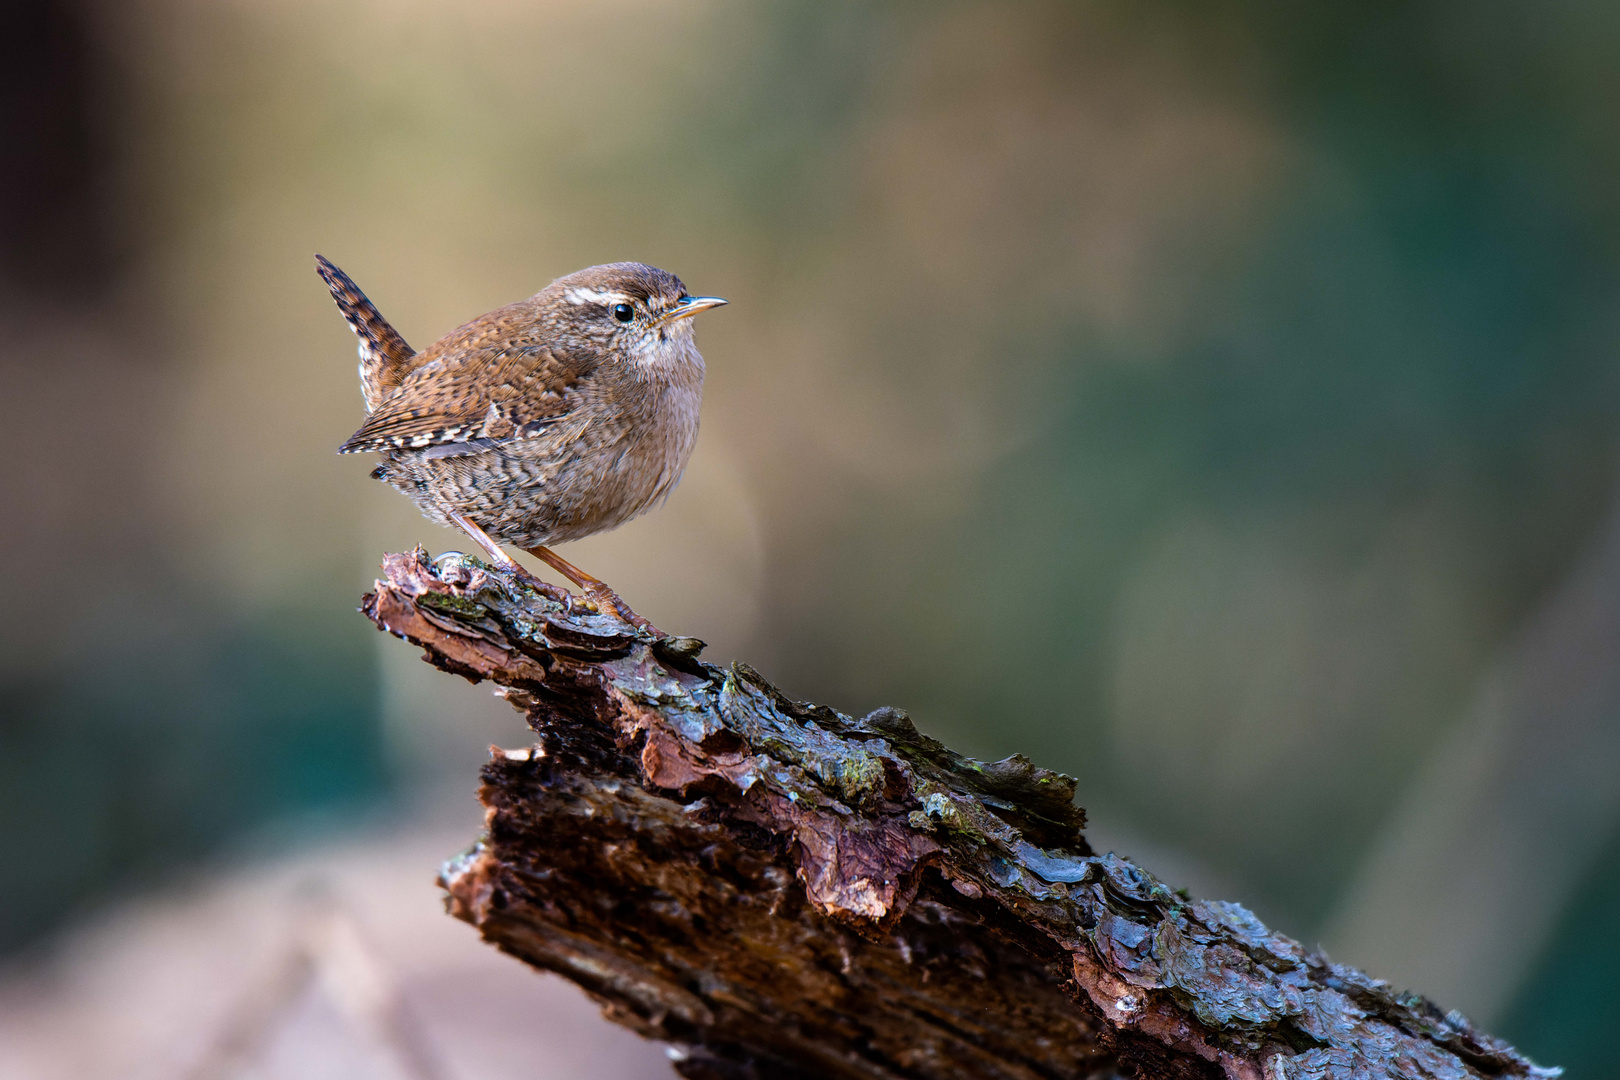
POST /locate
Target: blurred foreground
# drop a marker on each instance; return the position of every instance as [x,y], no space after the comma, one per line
[165,984]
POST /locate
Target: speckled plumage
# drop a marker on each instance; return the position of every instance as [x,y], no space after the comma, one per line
[543,421]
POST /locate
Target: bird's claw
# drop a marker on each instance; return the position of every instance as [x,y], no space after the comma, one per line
[546,589]
[608,602]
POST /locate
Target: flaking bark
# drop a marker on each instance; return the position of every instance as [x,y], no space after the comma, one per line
[777,889]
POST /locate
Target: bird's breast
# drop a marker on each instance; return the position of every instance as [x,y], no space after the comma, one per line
[672,433]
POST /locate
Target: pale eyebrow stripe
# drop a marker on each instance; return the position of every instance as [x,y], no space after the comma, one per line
[579,295]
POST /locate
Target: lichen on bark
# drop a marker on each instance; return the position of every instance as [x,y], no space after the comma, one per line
[779,889]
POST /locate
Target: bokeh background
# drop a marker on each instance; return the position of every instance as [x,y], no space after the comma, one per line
[1216,401]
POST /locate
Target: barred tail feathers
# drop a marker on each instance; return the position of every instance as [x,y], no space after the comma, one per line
[385,358]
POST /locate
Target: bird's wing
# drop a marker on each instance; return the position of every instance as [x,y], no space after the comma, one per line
[384,357]
[462,398]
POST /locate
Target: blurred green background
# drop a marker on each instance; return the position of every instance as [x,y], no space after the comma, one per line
[1216,401]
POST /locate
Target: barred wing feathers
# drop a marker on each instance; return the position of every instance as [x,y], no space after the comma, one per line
[462,399]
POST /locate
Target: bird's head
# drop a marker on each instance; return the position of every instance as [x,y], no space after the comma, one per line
[626,309]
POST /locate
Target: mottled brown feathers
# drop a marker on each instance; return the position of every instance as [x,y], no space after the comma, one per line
[477,383]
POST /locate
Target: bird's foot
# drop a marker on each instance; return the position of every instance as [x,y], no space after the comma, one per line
[546,589]
[519,577]
[503,561]
[609,602]
[596,591]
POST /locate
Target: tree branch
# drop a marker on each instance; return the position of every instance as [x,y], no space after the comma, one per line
[779,890]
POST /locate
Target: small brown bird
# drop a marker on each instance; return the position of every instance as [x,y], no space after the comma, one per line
[550,419]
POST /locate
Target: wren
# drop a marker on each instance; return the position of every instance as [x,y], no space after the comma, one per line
[547,420]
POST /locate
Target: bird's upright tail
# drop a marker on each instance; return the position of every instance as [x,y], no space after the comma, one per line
[384,357]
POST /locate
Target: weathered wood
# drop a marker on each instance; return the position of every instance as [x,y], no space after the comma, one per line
[780,890]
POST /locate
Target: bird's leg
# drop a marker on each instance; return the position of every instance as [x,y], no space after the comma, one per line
[595,590]
[505,561]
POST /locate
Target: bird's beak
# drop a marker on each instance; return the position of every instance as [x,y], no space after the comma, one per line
[691,306]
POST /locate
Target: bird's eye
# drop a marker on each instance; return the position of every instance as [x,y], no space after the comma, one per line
[623,312]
